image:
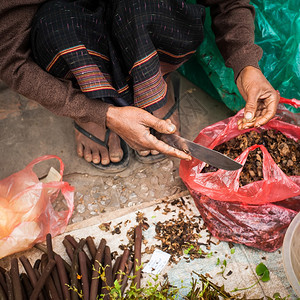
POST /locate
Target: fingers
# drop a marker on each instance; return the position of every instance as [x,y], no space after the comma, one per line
[266,110]
[162,126]
[261,98]
[160,146]
[251,106]
[269,111]
[133,125]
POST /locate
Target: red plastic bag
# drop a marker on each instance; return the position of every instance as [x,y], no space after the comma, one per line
[245,214]
[259,226]
[26,211]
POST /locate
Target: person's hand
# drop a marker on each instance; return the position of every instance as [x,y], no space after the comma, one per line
[133,125]
[261,98]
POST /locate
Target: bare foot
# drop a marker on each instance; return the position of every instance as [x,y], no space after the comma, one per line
[161,112]
[91,151]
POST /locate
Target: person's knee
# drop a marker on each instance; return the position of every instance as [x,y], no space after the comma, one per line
[48,23]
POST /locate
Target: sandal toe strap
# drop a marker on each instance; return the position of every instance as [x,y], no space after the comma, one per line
[92,137]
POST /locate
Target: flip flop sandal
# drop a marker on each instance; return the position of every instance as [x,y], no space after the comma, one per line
[150,158]
[112,167]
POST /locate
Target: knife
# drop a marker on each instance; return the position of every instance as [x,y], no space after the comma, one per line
[202,153]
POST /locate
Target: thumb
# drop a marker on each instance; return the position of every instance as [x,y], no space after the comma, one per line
[251,107]
[163,126]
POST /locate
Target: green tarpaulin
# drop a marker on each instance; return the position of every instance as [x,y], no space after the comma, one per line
[277,32]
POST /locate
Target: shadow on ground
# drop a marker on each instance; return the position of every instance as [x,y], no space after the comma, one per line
[28,131]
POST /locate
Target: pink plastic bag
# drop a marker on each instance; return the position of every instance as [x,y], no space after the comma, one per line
[26,211]
[245,214]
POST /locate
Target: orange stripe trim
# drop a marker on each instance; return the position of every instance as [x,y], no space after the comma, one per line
[92,52]
[97,88]
[69,50]
[141,61]
[150,102]
[59,54]
[86,67]
[154,82]
[173,55]
[126,87]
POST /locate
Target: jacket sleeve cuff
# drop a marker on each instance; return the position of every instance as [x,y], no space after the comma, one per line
[247,56]
[93,110]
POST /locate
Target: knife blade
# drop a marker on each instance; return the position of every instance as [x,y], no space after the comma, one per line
[202,153]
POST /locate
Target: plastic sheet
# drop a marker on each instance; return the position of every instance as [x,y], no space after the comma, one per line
[258,213]
[26,211]
[277,32]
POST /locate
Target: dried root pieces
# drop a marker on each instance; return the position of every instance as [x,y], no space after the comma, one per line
[284,151]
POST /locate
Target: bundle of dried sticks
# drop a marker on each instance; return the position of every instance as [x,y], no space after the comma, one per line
[89,276]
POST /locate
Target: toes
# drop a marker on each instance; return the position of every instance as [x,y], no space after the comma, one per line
[154,152]
[93,152]
[105,157]
[87,154]
[95,156]
[79,149]
[116,157]
[144,152]
[100,155]
[115,150]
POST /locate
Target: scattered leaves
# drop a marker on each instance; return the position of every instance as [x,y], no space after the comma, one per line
[105,226]
[262,271]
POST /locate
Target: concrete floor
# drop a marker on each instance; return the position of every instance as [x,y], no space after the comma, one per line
[28,131]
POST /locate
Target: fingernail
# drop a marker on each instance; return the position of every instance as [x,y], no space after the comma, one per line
[248,116]
[171,128]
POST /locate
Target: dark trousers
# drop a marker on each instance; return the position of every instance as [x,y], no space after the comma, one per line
[117,51]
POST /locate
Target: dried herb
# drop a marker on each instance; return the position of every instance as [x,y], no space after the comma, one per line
[180,236]
[284,151]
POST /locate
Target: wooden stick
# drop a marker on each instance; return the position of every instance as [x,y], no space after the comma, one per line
[36,264]
[16,283]
[69,248]
[97,266]
[129,266]
[30,272]
[3,295]
[54,272]
[137,256]
[75,269]
[10,292]
[91,246]
[74,243]
[63,276]
[123,262]
[108,273]
[84,274]
[50,286]
[26,284]
[45,293]
[116,267]
[43,248]
[24,295]
[3,283]
[41,282]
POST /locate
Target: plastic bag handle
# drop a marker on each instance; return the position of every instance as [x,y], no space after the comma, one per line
[47,157]
[293,102]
